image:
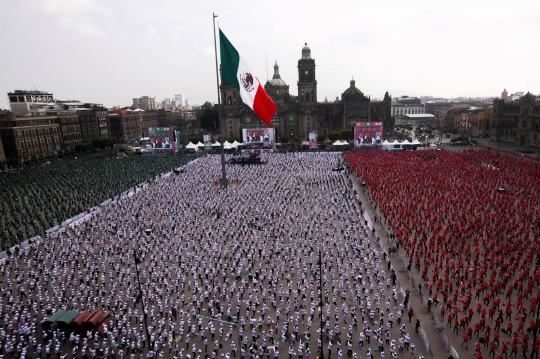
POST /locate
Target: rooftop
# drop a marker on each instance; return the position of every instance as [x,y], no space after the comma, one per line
[421,115]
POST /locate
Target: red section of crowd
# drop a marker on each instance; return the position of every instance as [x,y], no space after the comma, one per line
[469,224]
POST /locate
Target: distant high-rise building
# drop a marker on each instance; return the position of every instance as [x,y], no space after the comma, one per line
[20,100]
[146,103]
[517,95]
[179,100]
[187,102]
[504,95]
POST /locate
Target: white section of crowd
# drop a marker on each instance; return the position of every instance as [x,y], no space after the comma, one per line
[246,255]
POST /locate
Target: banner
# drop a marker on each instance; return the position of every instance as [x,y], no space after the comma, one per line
[258,139]
[368,133]
[313,140]
[161,139]
[177,137]
[207,139]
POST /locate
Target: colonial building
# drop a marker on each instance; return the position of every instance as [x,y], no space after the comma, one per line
[29,138]
[130,126]
[70,130]
[93,120]
[296,116]
[20,101]
[517,121]
[476,121]
[3,163]
[167,118]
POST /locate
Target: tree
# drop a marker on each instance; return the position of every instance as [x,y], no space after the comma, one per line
[334,136]
[84,147]
[178,122]
[103,142]
[208,117]
[321,138]
[347,135]
[195,139]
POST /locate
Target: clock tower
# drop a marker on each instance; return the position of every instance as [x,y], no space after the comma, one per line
[307,94]
[307,83]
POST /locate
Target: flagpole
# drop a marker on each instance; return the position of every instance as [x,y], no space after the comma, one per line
[224,181]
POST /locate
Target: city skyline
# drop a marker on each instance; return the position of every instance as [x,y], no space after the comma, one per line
[111,52]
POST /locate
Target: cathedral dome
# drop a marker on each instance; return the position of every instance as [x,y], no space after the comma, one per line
[276,79]
[352,89]
[277,82]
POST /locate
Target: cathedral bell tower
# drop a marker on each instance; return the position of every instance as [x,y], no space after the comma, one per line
[307,83]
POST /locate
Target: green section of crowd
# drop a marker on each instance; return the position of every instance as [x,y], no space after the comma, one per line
[38,198]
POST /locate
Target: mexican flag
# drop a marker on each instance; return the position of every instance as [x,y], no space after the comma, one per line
[237,73]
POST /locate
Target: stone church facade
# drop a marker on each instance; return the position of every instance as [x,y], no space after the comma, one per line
[298,115]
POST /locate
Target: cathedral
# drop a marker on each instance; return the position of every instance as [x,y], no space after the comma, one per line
[296,116]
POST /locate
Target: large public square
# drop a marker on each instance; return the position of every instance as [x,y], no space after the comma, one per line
[234,272]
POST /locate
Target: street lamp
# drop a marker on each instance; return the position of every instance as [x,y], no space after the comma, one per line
[136,256]
[533,352]
[321,303]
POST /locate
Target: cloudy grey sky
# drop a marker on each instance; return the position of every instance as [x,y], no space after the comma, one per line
[111,51]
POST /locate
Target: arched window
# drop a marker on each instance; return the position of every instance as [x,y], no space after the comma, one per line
[307,97]
[234,97]
[229,100]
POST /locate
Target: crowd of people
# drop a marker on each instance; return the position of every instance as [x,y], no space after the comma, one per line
[230,273]
[37,198]
[469,224]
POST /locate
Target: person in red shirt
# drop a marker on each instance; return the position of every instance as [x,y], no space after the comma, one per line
[477,329]
[477,347]
[509,327]
[496,338]
[479,355]
[497,324]
[492,348]
[504,348]
[465,341]
[514,349]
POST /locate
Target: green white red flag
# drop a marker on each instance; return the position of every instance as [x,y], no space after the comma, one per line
[236,72]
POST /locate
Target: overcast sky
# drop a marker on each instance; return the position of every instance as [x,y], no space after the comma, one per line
[111,51]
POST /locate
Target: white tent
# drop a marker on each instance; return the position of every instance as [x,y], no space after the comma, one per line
[415,142]
[406,142]
[228,146]
[200,144]
[216,144]
[340,143]
[226,143]
[191,146]
[305,143]
[387,145]
[236,144]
